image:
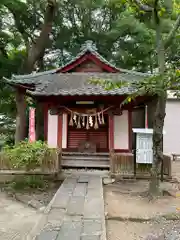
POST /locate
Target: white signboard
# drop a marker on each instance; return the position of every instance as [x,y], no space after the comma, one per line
[144,145]
[144,152]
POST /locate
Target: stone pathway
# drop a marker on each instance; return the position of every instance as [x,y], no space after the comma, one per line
[76,211]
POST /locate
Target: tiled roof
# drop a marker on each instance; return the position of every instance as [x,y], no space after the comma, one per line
[78,84]
[41,77]
[88,46]
[51,82]
[30,79]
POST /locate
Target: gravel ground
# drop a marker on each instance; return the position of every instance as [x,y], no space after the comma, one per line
[126,199]
[164,230]
[173,234]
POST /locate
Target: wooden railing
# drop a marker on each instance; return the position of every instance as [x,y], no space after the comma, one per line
[167,166]
[123,165]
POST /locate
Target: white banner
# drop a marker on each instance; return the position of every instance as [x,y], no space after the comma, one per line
[32,131]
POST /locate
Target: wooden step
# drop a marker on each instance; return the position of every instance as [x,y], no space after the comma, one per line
[86,158]
[84,154]
[85,164]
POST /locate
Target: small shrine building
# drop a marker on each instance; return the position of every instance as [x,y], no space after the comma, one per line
[79,116]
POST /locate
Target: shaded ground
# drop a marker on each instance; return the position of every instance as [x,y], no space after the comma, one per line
[35,198]
[22,208]
[126,199]
[16,219]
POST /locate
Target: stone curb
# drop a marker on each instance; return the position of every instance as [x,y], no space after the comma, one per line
[36,228]
[168,217]
[42,220]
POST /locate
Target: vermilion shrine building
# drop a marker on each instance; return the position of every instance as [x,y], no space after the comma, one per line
[80,117]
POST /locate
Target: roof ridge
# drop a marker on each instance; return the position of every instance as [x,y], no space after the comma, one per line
[34,75]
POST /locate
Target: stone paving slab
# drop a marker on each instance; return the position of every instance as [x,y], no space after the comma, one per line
[80,190]
[92,227]
[54,219]
[94,193]
[61,201]
[70,230]
[83,179]
[47,235]
[93,208]
[73,218]
[76,206]
[76,212]
[90,237]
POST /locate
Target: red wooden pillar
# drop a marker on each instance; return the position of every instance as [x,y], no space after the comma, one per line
[45,121]
[130,129]
[146,116]
[111,132]
[59,138]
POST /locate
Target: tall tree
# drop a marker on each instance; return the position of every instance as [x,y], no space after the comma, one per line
[112,25]
[157,85]
[157,8]
[35,49]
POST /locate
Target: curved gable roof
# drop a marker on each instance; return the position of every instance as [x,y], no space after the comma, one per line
[88,52]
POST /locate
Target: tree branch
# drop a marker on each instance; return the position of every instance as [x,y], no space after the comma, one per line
[47,26]
[18,16]
[172,33]
[156,16]
[142,6]
[38,48]
[3,51]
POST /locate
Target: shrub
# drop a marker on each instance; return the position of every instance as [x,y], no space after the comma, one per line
[28,182]
[29,156]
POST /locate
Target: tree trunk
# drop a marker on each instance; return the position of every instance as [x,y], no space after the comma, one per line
[160,106]
[20,116]
[158,125]
[160,111]
[34,53]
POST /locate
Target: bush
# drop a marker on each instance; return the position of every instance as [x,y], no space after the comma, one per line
[28,182]
[29,156]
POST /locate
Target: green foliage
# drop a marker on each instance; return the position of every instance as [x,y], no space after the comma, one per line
[152,85]
[28,182]
[28,156]
[120,27]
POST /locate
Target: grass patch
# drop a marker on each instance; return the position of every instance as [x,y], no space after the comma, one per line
[31,182]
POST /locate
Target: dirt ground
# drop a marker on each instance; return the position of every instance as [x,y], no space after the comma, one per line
[22,208]
[16,219]
[126,199]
